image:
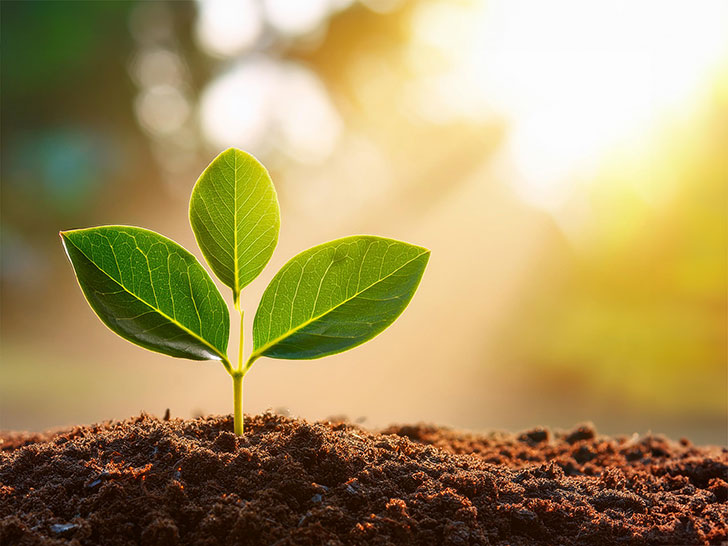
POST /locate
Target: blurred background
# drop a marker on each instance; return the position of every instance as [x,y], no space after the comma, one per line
[566,162]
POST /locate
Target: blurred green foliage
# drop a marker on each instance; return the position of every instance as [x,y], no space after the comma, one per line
[54,44]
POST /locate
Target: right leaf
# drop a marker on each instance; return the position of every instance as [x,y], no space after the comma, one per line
[235,217]
[336,296]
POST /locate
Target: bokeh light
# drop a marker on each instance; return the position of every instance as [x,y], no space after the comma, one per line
[295,18]
[262,104]
[162,109]
[227,28]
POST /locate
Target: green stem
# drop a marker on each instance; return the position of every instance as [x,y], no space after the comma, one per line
[227,365]
[238,374]
[238,402]
[252,358]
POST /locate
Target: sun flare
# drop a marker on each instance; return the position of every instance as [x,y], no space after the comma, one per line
[574,80]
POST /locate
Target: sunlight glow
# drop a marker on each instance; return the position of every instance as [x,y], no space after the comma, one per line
[381,6]
[573,79]
[294,17]
[225,28]
[260,104]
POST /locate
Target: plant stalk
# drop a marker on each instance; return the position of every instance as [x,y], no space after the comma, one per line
[238,403]
[238,375]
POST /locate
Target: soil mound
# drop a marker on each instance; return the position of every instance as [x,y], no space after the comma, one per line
[149,481]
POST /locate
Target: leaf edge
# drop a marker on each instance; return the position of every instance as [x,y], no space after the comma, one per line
[258,352]
[222,357]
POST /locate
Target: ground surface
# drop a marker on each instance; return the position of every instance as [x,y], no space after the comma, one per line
[288,481]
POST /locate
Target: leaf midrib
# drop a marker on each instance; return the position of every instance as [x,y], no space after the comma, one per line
[259,352]
[236,280]
[155,309]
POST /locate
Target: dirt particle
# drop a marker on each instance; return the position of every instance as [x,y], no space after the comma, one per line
[583,432]
[396,508]
[225,442]
[719,488]
[535,436]
[63,529]
[161,532]
[618,500]
[584,454]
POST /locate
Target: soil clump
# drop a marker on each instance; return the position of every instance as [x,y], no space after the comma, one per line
[289,482]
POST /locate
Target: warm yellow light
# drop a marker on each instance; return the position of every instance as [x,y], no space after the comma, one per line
[574,79]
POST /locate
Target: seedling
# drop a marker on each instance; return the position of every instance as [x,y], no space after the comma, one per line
[327,299]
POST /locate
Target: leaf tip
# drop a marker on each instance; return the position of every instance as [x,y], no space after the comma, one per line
[63,234]
[424,251]
[232,151]
[64,240]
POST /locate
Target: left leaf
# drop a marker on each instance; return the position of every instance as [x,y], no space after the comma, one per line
[150,291]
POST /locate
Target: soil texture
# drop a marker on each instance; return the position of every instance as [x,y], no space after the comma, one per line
[287,481]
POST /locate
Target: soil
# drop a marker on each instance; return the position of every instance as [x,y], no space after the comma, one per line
[287,481]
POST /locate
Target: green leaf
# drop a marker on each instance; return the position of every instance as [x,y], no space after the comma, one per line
[150,291]
[234,214]
[336,296]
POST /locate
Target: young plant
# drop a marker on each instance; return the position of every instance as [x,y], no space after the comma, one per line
[154,293]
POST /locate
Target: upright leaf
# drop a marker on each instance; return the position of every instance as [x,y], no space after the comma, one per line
[150,291]
[234,214]
[336,296]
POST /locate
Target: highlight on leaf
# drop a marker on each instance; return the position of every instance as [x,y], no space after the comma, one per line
[154,293]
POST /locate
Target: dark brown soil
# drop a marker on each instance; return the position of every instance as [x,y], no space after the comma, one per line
[148,481]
